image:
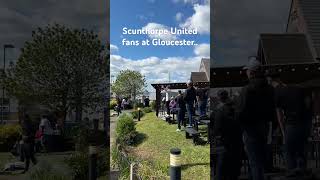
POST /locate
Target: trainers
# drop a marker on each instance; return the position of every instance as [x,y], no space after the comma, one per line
[178,130]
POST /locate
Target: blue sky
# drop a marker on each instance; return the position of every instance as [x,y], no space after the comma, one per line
[155,62]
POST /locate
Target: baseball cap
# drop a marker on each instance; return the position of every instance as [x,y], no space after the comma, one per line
[253,65]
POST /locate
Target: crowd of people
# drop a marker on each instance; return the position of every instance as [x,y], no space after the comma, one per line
[193,100]
[36,136]
[125,103]
[247,124]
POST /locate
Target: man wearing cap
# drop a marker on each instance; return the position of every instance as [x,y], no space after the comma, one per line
[255,108]
[227,133]
[190,98]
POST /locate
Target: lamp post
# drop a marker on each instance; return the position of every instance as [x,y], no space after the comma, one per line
[6,46]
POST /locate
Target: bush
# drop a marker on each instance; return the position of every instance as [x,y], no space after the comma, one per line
[135,114]
[147,110]
[78,162]
[113,103]
[9,134]
[138,105]
[153,105]
[125,130]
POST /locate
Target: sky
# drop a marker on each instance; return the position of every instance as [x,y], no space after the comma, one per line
[155,62]
[237,24]
[19,18]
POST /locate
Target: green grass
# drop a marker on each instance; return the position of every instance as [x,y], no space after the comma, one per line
[154,150]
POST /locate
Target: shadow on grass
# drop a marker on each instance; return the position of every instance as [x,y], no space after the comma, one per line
[140,138]
[186,166]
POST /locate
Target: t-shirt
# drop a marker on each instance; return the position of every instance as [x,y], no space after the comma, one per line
[292,100]
[47,126]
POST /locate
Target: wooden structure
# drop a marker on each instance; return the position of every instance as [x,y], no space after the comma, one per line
[163,86]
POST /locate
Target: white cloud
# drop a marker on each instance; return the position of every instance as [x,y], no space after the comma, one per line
[157,70]
[179,16]
[113,48]
[156,26]
[202,50]
[200,20]
[186,1]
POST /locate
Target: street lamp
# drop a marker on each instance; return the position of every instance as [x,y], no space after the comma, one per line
[6,46]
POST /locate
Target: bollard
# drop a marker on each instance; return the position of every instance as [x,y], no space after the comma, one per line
[93,162]
[139,114]
[175,164]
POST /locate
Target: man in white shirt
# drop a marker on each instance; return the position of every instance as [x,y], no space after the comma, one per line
[47,132]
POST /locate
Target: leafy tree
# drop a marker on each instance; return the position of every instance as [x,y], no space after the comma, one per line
[62,68]
[129,83]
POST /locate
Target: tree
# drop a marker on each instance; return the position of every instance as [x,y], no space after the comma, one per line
[62,68]
[129,84]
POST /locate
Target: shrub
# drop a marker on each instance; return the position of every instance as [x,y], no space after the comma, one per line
[78,162]
[147,110]
[153,105]
[9,134]
[138,105]
[135,114]
[113,103]
[125,130]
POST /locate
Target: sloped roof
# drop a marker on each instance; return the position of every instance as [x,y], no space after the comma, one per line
[198,77]
[277,49]
[311,13]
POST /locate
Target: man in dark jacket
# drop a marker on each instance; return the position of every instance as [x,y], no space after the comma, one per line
[190,98]
[255,109]
[181,109]
[227,133]
[202,99]
[28,142]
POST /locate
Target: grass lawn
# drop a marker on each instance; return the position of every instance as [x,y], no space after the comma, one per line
[158,137]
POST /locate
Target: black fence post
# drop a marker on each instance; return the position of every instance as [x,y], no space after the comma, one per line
[175,164]
[93,162]
[139,114]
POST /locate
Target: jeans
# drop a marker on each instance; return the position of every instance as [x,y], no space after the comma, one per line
[181,113]
[254,139]
[28,151]
[228,163]
[203,107]
[190,112]
[296,140]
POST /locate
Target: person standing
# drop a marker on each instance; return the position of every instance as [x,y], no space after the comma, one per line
[28,142]
[181,109]
[190,98]
[255,109]
[202,99]
[47,131]
[294,112]
[227,133]
[119,105]
[146,101]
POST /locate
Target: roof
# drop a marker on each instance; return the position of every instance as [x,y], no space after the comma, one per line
[198,77]
[309,21]
[290,73]
[205,67]
[311,13]
[179,85]
[277,49]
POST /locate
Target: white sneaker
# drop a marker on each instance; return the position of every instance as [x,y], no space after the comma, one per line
[178,130]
